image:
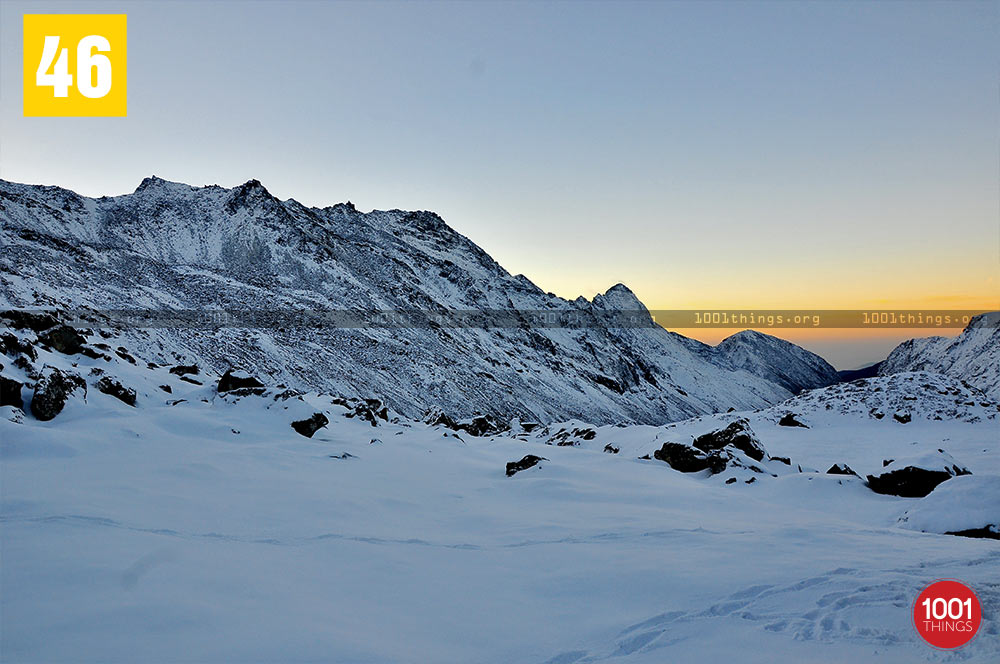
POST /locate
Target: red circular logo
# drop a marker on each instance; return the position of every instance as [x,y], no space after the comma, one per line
[947,614]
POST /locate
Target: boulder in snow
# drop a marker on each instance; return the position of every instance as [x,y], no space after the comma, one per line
[311,425]
[62,338]
[841,469]
[689,459]
[10,392]
[109,386]
[526,462]
[916,477]
[238,380]
[788,420]
[52,391]
[738,434]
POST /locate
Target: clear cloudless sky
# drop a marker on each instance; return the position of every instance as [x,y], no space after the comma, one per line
[707,154]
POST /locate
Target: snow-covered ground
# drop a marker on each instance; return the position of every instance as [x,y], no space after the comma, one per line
[201,527]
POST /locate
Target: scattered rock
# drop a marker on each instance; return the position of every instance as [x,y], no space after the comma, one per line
[345,455]
[689,459]
[785,460]
[12,345]
[841,469]
[902,417]
[236,380]
[482,425]
[52,391]
[112,387]
[526,462]
[738,434]
[62,338]
[370,410]
[122,353]
[311,425]
[751,480]
[611,449]
[10,392]
[186,379]
[167,389]
[731,480]
[184,369]
[789,421]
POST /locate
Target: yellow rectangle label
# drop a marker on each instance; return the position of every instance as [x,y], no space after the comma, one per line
[75,65]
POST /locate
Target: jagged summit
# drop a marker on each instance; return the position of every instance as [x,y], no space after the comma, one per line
[174,246]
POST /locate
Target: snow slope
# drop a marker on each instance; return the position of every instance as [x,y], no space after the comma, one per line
[974,355]
[173,246]
[198,526]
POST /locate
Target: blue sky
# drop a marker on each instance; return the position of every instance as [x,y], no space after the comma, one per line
[715,154]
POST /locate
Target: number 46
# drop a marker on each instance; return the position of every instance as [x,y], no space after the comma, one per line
[60,79]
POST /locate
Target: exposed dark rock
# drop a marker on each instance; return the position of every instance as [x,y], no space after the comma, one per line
[187,379]
[112,387]
[482,425]
[751,480]
[611,449]
[93,353]
[236,380]
[785,460]
[184,369]
[571,437]
[731,480]
[345,455]
[886,462]
[122,353]
[11,345]
[62,338]
[438,418]
[370,410]
[311,425]
[52,391]
[986,532]
[902,418]
[738,434]
[789,421]
[841,469]
[10,392]
[688,459]
[167,389]
[912,481]
[526,462]
[876,413]
[29,320]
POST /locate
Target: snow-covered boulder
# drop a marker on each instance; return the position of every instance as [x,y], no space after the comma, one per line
[738,434]
[238,380]
[52,391]
[915,477]
[688,459]
[968,506]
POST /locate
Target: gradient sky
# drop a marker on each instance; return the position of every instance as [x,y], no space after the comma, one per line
[709,155]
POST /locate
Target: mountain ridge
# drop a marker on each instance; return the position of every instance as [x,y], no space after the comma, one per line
[174,246]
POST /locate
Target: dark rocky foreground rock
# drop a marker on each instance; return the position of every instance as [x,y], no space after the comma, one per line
[238,380]
[112,387]
[738,434]
[789,420]
[689,459]
[52,391]
[841,469]
[526,462]
[916,479]
[10,392]
[62,338]
[311,425]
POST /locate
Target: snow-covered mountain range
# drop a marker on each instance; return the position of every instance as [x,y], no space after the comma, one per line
[173,246]
[973,356]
